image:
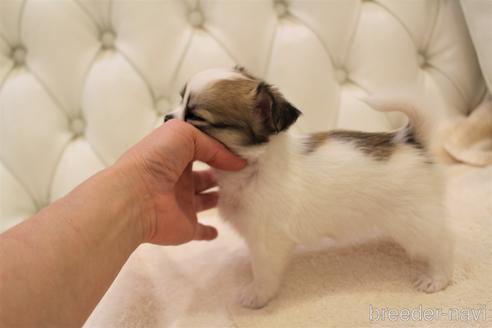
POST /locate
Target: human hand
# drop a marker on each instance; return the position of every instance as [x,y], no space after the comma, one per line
[159,171]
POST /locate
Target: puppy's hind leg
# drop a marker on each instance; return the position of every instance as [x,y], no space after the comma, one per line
[269,258]
[439,266]
[430,241]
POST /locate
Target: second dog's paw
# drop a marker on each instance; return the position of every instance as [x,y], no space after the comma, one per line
[250,298]
[431,283]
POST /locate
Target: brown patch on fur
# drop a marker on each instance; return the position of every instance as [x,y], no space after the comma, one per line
[412,139]
[379,145]
[229,104]
[314,140]
[243,111]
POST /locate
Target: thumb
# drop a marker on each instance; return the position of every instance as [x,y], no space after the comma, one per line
[204,232]
[214,153]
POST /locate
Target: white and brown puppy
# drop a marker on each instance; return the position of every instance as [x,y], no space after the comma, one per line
[299,189]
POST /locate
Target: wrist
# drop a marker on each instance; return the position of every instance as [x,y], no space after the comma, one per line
[138,200]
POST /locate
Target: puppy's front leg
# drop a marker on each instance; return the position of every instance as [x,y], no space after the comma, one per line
[269,257]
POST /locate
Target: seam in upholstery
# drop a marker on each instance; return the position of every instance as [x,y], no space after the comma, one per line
[22,184]
[427,45]
[437,69]
[30,70]
[350,44]
[2,82]
[433,26]
[110,14]
[127,58]
[317,36]
[451,80]
[4,39]
[48,92]
[64,110]
[96,55]
[196,5]
[64,114]
[70,141]
[99,157]
[218,40]
[85,77]
[479,97]
[180,63]
[350,81]
[221,44]
[398,19]
[19,22]
[88,14]
[48,199]
[92,61]
[137,71]
[268,60]
[7,168]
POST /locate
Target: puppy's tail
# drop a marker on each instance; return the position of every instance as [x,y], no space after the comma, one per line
[418,130]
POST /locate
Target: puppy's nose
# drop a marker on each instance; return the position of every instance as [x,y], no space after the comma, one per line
[168,117]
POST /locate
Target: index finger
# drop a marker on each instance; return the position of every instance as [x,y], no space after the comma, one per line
[209,150]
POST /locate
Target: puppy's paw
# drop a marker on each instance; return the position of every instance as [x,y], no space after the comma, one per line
[431,283]
[250,298]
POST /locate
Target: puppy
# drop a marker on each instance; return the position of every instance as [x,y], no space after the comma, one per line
[299,189]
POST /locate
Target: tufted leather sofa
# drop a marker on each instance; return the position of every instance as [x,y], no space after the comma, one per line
[82,80]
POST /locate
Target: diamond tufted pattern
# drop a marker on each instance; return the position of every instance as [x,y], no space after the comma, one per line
[82,80]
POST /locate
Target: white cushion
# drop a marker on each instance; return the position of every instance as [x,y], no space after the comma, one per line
[478,14]
[81,81]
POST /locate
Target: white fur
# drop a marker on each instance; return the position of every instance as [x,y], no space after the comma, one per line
[284,198]
[204,78]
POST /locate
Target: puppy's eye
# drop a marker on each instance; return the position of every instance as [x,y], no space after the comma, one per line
[193,117]
[222,126]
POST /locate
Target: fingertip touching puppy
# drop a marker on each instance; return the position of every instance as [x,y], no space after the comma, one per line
[299,189]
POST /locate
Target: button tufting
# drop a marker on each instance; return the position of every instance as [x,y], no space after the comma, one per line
[108,39]
[341,75]
[19,55]
[162,106]
[196,18]
[281,8]
[421,59]
[77,126]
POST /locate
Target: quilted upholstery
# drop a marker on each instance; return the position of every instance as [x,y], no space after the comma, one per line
[478,14]
[82,80]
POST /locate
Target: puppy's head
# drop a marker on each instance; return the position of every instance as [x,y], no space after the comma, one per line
[234,107]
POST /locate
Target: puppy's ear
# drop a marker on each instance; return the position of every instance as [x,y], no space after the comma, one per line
[264,105]
[276,112]
[285,115]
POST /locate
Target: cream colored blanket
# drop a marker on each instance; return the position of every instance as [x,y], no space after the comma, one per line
[195,285]
[470,140]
